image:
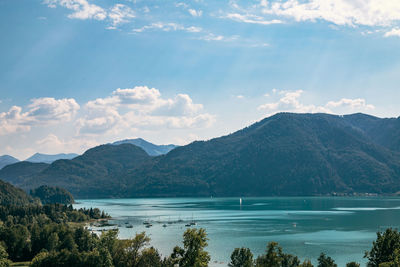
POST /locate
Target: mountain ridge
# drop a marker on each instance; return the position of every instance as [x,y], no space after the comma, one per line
[286,154]
[150,148]
[50,158]
[7,160]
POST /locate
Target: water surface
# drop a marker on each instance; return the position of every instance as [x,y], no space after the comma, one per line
[342,227]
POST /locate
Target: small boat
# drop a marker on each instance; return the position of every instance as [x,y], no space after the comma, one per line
[188,225]
[129,226]
[164,225]
[148,225]
[146,222]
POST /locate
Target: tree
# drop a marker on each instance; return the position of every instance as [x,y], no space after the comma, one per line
[150,258]
[4,262]
[192,254]
[384,248]
[53,242]
[326,261]
[306,263]
[353,264]
[241,257]
[272,257]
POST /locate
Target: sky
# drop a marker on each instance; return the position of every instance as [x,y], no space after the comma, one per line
[78,73]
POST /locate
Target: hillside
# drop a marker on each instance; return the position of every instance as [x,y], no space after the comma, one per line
[151,149]
[385,132]
[94,174]
[7,160]
[286,154]
[10,195]
[52,195]
[46,158]
[19,172]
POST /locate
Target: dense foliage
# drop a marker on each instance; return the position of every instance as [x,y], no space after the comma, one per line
[20,172]
[51,195]
[10,195]
[286,154]
[29,229]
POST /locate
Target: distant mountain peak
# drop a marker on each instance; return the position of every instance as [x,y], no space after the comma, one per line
[7,160]
[48,158]
[150,148]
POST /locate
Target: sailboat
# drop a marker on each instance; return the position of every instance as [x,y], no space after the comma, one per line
[240,201]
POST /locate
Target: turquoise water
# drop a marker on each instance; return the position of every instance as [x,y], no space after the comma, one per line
[342,227]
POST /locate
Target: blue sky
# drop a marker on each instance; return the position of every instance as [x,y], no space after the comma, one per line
[78,73]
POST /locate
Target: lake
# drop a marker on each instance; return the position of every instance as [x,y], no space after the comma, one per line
[342,227]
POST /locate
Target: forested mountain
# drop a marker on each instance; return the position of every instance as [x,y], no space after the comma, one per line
[7,160]
[20,172]
[94,174]
[385,132]
[151,149]
[52,195]
[10,195]
[285,154]
[46,158]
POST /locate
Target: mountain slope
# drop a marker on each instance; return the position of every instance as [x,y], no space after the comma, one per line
[51,195]
[385,132]
[7,160]
[286,154]
[151,149]
[46,158]
[20,172]
[94,174]
[10,195]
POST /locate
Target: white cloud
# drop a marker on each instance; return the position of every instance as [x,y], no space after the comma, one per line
[42,111]
[84,10]
[140,107]
[216,37]
[119,14]
[252,19]
[167,27]
[240,97]
[393,32]
[181,4]
[357,103]
[195,13]
[289,101]
[52,144]
[340,12]
[47,110]
[12,121]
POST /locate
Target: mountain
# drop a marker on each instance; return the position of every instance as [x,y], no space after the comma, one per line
[10,195]
[385,132]
[20,172]
[285,154]
[45,158]
[94,174]
[151,149]
[7,160]
[51,195]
